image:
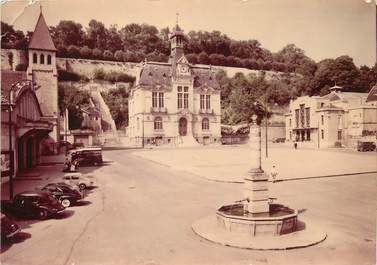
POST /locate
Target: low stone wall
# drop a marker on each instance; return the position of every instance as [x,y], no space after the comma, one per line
[87,67]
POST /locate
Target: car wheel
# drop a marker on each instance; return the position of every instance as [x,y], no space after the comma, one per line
[42,214]
[65,202]
[82,186]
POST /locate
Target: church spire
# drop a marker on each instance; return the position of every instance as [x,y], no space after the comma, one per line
[41,39]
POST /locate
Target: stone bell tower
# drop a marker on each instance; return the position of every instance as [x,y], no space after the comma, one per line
[42,71]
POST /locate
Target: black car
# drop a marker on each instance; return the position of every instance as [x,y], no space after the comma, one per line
[39,204]
[8,227]
[66,194]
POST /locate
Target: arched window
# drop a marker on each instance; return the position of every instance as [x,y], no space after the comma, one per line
[35,59]
[49,59]
[42,59]
[158,123]
[205,124]
[138,124]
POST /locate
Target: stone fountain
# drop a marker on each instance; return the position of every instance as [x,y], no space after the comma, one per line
[255,222]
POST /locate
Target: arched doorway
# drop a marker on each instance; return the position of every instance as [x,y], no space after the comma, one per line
[182,127]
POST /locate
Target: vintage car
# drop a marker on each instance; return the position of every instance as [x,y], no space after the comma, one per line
[8,227]
[86,156]
[65,193]
[365,146]
[38,204]
[78,179]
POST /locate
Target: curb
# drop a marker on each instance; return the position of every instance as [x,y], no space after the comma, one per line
[228,239]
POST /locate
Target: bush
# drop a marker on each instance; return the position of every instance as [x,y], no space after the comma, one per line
[118,55]
[86,52]
[99,74]
[97,54]
[108,55]
[21,67]
[64,75]
[73,51]
[113,76]
[337,144]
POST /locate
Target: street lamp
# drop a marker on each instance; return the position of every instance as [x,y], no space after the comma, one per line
[264,106]
[14,87]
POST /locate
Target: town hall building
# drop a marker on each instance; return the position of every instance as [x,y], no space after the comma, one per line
[175,102]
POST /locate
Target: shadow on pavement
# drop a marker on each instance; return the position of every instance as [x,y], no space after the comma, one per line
[17,238]
[64,215]
[81,203]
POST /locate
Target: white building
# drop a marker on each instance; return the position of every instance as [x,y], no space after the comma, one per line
[336,119]
[175,102]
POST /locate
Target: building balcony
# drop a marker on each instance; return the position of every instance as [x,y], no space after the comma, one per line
[159,110]
[206,111]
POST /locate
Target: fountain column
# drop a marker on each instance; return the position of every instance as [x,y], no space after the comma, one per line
[256,181]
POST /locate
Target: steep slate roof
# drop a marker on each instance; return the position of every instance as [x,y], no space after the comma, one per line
[204,77]
[155,74]
[41,39]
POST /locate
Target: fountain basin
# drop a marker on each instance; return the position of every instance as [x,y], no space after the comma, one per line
[280,220]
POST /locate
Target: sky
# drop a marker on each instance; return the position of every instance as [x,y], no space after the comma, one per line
[323,28]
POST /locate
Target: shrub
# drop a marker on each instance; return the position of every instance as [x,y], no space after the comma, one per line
[64,75]
[108,55]
[97,54]
[99,74]
[21,67]
[73,51]
[338,144]
[86,52]
[118,55]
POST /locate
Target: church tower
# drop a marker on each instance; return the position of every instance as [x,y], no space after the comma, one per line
[42,71]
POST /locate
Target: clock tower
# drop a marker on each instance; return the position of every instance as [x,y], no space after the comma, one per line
[177,39]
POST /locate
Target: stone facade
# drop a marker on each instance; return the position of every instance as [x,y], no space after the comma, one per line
[175,102]
[336,119]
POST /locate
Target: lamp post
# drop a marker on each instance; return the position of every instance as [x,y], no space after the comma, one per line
[14,87]
[142,138]
[66,130]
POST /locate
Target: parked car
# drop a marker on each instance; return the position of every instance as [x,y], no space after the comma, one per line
[86,156]
[365,146]
[8,227]
[65,193]
[78,179]
[279,140]
[39,204]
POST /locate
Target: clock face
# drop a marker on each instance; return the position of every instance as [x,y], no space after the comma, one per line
[183,69]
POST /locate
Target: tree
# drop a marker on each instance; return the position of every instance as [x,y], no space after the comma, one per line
[192,58]
[96,35]
[97,54]
[119,55]
[86,52]
[67,33]
[203,58]
[73,51]
[11,39]
[113,40]
[217,59]
[72,98]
